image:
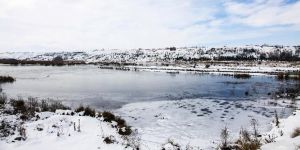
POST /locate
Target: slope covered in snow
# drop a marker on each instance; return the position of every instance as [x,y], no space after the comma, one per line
[286,135]
[192,123]
[59,131]
[164,55]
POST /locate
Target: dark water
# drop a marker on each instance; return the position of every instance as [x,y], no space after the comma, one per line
[110,88]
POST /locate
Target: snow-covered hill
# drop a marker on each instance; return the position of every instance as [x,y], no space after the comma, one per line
[164,55]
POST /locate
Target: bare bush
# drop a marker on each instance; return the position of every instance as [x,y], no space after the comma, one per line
[126,130]
[3,99]
[123,128]
[270,139]
[89,112]
[225,139]
[276,121]
[78,128]
[22,132]
[296,133]
[18,105]
[33,104]
[256,134]
[54,105]
[246,142]
[108,116]
[79,109]
[109,139]
[6,128]
[133,140]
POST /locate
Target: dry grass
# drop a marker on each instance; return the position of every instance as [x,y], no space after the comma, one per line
[247,142]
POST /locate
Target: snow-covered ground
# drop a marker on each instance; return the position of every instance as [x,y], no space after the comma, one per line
[284,140]
[54,131]
[193,123]
[221,68]
[198,122]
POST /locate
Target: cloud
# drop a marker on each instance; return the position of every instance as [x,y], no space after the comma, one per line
[261,13]
[90,24]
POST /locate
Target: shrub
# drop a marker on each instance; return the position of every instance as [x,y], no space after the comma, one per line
[296,133]
[21,107]
[207,66]
[109,140]
[79,109]
[33,104]
[245,141]
[6,129]
[3,99]
[254,125]
[54,105]
[281,76]
[89,112]
[133,141]
[224,138]
[24,117]
[288,75]
[44,105]
[276,119]
[126,130]
[22,132]
[120,122]
[108,116]
[4,79]
[270,139]
[18,105]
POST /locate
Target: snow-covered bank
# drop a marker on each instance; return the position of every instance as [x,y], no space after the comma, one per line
[221,68]
[283,135]
[194,123]
[198,122]
[54,131]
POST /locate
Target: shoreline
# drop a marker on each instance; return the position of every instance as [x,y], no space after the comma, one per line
[250,67]
[173,119]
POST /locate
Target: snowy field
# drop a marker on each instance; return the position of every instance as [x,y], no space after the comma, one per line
[193,124]
[54,131]
[198,122]
[221,68]
[284,134]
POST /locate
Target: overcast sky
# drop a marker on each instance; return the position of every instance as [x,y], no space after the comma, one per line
[33,25]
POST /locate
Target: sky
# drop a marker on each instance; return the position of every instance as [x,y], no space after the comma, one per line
[51,25]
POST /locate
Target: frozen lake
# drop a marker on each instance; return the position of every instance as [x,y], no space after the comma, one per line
[100,88]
